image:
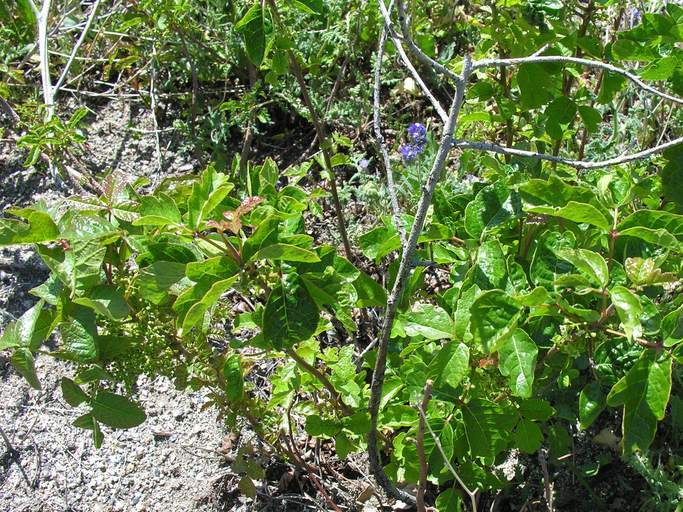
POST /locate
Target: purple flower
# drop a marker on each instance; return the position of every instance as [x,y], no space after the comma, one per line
[363,163]
[417,133]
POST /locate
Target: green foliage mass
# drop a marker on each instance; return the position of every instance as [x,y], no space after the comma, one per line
[560,289]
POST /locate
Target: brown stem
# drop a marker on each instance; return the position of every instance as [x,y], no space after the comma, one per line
[598,85]
[320,131]
[422,483]
[640,341]
[400,282]
[343,408]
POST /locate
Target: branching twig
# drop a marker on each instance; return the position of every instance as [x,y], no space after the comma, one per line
[322,378]
[153,107]
[400,282]
[640,341]
[409,65]
[77,46]
[578,164]
[547,484]
[404,23]
[542,59]
[377,121]
[447,462]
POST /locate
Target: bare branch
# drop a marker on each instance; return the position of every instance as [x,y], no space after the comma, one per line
[34,7]
[404,22]
[540,59]
[377,121]
[77,46]
[400,282]
[578,164]
[409,65]
[447,462]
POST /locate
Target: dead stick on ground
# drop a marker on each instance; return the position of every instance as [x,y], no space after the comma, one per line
[13,454]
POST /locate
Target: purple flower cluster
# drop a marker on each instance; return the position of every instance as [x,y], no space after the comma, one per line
[417,138]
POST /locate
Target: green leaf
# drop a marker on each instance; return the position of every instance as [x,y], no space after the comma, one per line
[379,242]
[448,501]
[645,272]
[611,84]
[358,423]
[207,292]
[528,436]
[577,212]
[425,320]
[553,192]
[234,380]
[561,111]
[82,226]
[265,234]
[22,361]
[207,193]
[591,118]
[252,28]
[535,85]
[517,356]
[659,237]
[79,268]
[97,435]
[644,392]
[116,411]
[291,314]
[79,336]
[449,367]
[84,421]
[38,228]
[309,6]
[159,210]
[487,427]
[317,426]
[31,329]
[247,486]
[591,403]
[589,263]
[494,317]
[106,300]
[286,252]
[672,327]
[629,310]
[370,293]
[462,312]
[491,267]
[493,205]
[49,291]
[161,279]
[654,226]
[72,393]
[536,409]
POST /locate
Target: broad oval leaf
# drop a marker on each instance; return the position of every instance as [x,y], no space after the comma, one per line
[644,392]
[517,356]
[116,411]
[494,316]
[291,314]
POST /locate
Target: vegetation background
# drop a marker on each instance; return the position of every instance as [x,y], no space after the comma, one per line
[220,195]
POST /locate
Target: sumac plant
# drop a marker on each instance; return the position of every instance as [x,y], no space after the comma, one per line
[560,278]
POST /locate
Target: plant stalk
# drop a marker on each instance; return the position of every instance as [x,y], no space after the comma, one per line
[400,283]
[323,142]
